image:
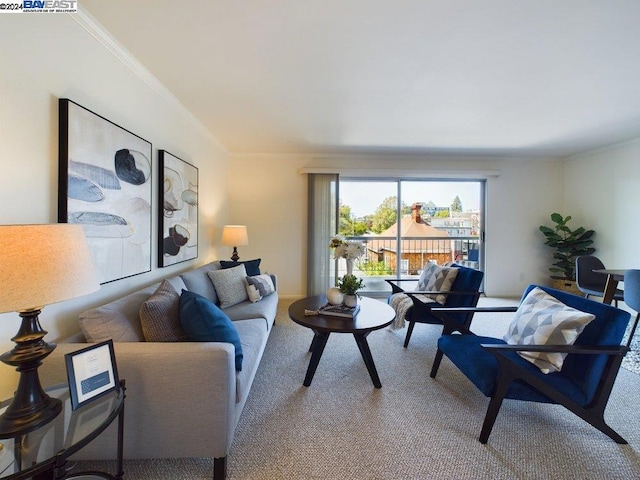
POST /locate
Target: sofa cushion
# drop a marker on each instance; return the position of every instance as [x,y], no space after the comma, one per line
[265,309]
[253,336]
[198,281]
[118,320]
[542,319]
[230,285]
[252,266]
[263,283]
[160,315]
[203,321]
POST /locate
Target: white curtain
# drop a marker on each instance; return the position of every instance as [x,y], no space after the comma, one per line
[322,225]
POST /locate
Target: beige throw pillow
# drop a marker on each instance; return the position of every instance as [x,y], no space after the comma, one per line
[230,285]
[160,316]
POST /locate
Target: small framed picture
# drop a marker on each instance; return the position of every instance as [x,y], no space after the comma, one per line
[91,372]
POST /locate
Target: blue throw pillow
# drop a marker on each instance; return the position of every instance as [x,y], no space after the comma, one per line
[251,266]
[203,321]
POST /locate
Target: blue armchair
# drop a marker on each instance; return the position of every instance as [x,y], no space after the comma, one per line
[464,292]
[584,383]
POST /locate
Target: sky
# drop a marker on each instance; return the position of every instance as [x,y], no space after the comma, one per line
[365,197]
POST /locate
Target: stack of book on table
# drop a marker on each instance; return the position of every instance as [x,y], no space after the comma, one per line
[339,310]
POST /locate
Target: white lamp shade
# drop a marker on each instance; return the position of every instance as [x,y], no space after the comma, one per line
[43,264]
[235,236]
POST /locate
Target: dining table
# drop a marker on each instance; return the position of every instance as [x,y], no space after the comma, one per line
[614,276]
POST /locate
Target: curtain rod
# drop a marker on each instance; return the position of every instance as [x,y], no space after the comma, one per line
[400,172]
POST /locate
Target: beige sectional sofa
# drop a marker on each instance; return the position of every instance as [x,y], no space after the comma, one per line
[183,399]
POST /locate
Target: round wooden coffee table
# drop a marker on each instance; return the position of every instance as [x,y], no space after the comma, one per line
[373,315]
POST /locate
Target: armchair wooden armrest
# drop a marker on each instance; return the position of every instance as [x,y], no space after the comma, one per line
[573,349]
[395,288]
[442,308]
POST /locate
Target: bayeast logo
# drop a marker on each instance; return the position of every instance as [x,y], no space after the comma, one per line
[50,6]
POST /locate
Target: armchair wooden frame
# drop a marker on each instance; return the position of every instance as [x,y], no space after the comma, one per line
[509,371]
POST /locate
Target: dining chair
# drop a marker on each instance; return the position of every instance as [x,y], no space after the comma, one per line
[592,283]
[632,297]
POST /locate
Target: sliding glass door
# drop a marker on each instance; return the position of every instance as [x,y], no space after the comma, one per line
[405,223]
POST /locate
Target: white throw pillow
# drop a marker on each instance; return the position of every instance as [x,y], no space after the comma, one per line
[253,294]
[542,319]
[230,285]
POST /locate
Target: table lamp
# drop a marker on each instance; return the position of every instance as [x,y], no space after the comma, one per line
[235,236]
[39,265]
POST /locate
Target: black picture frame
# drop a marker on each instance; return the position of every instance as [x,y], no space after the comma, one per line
[178,210]
[105,184]
[91,372]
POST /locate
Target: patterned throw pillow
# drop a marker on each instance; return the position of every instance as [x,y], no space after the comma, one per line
[263,283]
[437,279]
[160,316]
[542,319]
[253,294]
[229,285]
[427,272]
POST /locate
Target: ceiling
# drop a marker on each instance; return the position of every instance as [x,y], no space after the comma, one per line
[466,77]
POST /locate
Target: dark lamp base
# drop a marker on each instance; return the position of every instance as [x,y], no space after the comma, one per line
[31,406]
[14,427]
[235,257]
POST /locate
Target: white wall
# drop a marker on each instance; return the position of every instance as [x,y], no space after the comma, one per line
[602,191]
[44,57]
[269,195]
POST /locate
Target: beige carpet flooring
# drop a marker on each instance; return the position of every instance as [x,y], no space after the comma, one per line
[414,427]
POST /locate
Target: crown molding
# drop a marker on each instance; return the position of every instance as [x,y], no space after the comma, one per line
[97,31]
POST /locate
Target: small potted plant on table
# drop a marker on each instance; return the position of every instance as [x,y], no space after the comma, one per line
[349,286]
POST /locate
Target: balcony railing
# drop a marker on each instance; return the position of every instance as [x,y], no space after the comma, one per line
[381,259]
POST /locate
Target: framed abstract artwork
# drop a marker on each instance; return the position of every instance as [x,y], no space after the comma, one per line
[178,222]
[104,184]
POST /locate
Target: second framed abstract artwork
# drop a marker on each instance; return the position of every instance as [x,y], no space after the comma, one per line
[178,222]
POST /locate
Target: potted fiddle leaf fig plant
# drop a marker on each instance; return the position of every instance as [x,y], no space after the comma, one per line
[568,244]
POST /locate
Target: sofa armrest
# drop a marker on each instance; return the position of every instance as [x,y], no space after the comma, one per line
[187,388]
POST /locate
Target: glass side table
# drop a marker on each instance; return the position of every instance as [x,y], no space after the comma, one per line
[42,454]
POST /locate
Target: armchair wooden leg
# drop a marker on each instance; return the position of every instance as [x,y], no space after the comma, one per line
[219,468]
[409,332]
[436,363]
[601,425]
[494,406]
[490,418]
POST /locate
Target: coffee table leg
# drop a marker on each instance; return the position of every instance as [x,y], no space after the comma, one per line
[363,345]
[313,341]
[319,341]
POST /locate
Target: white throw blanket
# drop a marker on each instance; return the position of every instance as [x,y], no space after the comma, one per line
[401,303]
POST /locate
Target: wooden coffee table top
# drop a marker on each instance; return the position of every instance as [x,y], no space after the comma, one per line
[373,315]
